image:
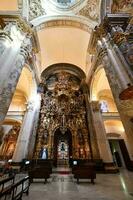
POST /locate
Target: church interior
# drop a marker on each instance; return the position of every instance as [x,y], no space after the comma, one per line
[66,99]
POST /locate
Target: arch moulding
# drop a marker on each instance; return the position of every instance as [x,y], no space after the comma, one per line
[41,23]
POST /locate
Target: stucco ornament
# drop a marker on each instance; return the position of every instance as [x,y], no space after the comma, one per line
[35,9]
[90,9]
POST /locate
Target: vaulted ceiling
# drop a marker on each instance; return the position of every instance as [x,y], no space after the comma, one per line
[63,45]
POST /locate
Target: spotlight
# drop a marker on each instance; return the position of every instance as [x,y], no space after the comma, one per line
[27,162]
[9,161]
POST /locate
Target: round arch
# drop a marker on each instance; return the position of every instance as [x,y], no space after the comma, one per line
[114,126]
[64,21]
[97,76]
[12,121]
[64,67]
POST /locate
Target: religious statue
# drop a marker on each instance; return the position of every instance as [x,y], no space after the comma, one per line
[43,153]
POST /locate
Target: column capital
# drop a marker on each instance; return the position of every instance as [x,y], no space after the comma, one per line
[26,47]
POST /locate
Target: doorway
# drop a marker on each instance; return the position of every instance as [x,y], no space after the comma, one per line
[62,148]
[120,153]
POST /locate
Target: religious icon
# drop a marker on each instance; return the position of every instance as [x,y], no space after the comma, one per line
[62,147]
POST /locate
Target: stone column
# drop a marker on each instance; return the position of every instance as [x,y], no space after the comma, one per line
[11,68]
[94,151]
[123,78]
[125,107]
[10,41]
[33,132]
[21,151]
[104,149]
[5,46]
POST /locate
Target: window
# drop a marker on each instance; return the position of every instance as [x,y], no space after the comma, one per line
[104,106]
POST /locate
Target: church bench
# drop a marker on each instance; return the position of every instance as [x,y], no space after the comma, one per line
[40,173]
[6,183]
[15,191]
[85,172]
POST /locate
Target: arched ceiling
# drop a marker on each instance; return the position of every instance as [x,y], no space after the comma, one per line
[99,83]
[25,83]
[113,126]
[63,45]
[60,44]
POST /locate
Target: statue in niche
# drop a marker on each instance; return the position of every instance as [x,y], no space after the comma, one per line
[43,153]
[62,147]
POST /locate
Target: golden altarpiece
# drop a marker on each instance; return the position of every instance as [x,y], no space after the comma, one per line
[63,120]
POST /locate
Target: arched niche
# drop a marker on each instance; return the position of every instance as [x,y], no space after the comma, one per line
[62,147]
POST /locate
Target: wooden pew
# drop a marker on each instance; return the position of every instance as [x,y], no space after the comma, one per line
[15,192]
[6,183]
[86,171]
[26,185]
[40,173]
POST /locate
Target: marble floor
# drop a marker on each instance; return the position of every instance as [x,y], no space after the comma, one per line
[64,187]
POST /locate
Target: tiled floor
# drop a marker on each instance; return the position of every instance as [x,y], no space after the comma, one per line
[64,187]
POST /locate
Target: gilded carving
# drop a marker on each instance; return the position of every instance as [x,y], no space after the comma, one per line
[122,39]
[9,142]
[63,108]
[122,6]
